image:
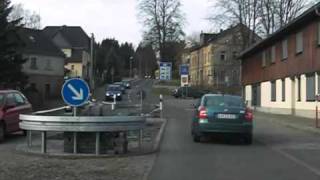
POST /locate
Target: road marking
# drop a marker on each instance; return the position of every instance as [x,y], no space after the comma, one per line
[315,170]
[298,161]
[79,95]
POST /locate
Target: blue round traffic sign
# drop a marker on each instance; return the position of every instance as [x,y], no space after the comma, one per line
[75,92]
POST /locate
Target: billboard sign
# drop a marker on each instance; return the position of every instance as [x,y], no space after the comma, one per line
[165,70]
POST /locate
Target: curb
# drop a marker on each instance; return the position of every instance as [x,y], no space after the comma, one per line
[156,148]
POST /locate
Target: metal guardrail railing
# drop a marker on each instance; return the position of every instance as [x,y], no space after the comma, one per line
[97,124]
[77,124]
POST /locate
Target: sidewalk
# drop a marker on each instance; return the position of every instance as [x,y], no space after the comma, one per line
[296,122]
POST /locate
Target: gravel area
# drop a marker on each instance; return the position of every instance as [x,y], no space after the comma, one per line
[15,165]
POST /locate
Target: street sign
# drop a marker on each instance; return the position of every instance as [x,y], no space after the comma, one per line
[165,70]
[184,80]
[75,92]
[184,69]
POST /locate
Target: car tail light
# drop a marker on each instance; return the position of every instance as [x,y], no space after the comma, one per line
[248,115]
[203,113]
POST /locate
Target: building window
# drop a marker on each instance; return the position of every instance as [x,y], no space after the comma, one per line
[273,91]
[318,83]
[223,55]
[264,59]
[234,54]
[311,87]
[33,63]
[299,88]
[72,67]
[48,65]
[273,54]
[283,81]
[284,49]
[299,42]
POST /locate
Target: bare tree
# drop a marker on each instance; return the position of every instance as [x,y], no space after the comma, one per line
[231,12]
[163,22]
[275,14]
[30,19]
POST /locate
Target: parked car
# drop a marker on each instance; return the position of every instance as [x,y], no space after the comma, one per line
[114,90]
[218,113]
[127,84]
[122,86]
[188,92]
[12,104]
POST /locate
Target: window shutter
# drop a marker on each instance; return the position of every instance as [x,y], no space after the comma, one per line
[310,87]
[284,49]
[318,30]
[273,54]
[299,42]
[264,59]
[273,91]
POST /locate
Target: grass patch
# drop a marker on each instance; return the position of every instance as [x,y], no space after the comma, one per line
[163,91]
[175,82]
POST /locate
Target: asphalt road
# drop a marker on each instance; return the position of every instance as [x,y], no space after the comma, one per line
[276,153]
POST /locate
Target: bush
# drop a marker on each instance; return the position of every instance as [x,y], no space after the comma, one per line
[163,91]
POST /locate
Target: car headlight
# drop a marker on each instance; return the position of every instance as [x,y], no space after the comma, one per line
[107,94]
[118,94]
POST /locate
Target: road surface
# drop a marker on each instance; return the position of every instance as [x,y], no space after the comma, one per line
[277,153]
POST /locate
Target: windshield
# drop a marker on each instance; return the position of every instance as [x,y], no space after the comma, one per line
[1,100]
[223,101]
[113,88]
[183,83]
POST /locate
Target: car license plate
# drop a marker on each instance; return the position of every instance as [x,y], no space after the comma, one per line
[226,116]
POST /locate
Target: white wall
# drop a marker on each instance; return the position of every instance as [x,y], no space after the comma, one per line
[304,104]
[266,94]
[56,65]
[291,104]
[248,95]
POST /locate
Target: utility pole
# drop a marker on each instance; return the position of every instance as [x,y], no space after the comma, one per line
[92,64]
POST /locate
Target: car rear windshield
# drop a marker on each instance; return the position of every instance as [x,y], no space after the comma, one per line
[1,99]
[223,101]
[114,88]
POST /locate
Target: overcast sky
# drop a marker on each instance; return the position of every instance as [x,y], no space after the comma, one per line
[110,18]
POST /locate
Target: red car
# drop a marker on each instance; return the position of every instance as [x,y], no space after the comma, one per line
[12,104]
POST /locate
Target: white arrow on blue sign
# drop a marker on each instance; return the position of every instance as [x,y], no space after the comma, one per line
[75,92]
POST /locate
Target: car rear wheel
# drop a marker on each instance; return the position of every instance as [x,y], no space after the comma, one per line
[196,138]
[2,132]
[247,138]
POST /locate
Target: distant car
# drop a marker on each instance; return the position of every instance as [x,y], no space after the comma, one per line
[113,90]
[123,87]
[218,113]
[188,92]
[12,104]
[127,84]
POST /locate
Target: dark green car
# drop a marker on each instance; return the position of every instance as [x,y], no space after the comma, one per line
[217,113]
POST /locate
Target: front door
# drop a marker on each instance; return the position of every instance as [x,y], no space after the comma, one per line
[47,91]
[11,115]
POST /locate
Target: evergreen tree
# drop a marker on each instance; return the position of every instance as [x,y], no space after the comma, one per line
[11,59]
